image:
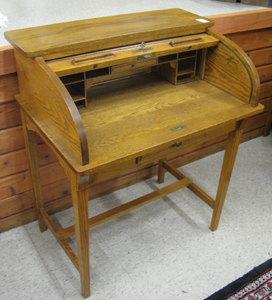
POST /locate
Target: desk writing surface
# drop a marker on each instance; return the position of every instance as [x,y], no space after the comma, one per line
[132,116]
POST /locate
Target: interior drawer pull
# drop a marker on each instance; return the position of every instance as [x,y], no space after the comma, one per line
[185,42]
[90,59]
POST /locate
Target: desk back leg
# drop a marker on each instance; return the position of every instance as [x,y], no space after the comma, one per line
[79,188]
[232,146]
[161,171]
[32,153]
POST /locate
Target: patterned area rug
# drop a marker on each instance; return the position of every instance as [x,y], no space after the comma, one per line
[255,285]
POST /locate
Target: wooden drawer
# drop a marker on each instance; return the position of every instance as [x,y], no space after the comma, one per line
[151,157]
[133,65]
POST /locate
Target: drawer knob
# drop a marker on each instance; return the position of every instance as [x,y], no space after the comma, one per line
[178,145]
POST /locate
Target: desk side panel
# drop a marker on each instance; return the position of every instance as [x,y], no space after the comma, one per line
[45,94]
[229,68]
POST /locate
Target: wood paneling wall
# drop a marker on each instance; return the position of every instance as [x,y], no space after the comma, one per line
[251,30]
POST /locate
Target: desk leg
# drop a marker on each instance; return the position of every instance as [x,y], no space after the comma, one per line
[161,171]
[232,146]
[79,189]
[32,153]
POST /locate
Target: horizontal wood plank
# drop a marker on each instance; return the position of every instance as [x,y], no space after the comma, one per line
[30,215]
[256,122]
[12,139]
[9,115]
[266,90]
[16,162]
[242,21]
[8,87]
[26,201]
[266,102]
[7,60]
[21,182]
[252,40]
[265,73]
[261,57]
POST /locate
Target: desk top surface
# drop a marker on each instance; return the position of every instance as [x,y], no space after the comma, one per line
[77,37]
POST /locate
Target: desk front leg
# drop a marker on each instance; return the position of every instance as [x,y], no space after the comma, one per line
[232,146]
[79,188]
[32,153]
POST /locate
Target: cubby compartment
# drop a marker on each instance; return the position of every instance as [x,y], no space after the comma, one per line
[75,85]
[80,104]
[167,58]
[180,67]
[97,72]
[69,79]
[186,65]
[185,77]
[77,91]
[187,54]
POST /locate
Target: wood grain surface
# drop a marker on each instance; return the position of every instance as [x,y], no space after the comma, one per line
[53,105]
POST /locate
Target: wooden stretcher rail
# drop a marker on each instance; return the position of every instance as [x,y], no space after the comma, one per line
[192,186]
[125,208]
[65,246]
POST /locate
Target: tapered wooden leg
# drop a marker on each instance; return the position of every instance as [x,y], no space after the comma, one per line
[161,171]
[79,187]
[232,146]
[32,152]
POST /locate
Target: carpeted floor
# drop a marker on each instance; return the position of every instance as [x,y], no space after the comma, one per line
[255,285]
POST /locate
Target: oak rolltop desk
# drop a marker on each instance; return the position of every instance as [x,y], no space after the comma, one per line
[111,94]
